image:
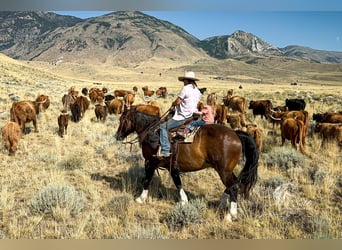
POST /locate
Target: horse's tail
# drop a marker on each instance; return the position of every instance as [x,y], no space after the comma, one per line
[249,174]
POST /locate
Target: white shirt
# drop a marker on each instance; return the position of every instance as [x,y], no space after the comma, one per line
[190,96]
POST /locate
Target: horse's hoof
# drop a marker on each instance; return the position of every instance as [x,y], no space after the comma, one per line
[228,218]
[139,200]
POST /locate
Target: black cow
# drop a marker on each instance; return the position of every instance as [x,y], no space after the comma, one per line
[295,104]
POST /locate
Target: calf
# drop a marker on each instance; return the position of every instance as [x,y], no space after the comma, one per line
[293,129]
[11,134]
[63,120]
[101,112]
[221,114]
[330,132]
[236,121]
[256,133]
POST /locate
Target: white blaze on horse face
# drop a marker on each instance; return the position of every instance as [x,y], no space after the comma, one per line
[142,198]
[184,198]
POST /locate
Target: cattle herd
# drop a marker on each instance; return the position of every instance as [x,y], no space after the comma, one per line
[292,118]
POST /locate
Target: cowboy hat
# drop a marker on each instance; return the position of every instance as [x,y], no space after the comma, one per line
[188,75]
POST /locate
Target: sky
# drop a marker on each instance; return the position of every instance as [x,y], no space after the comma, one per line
[320,30]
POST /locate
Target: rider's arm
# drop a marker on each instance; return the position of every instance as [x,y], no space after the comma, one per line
[177,101]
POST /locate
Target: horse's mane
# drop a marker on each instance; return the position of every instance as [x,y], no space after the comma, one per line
[148,124]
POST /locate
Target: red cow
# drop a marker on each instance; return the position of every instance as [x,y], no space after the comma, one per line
[293,130]
[260,107]
[235,103]
[26,111]
[147,92]
[115,106]
[11,134]
[256,133]
[330,132]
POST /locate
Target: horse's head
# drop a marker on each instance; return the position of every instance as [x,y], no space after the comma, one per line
[127,124]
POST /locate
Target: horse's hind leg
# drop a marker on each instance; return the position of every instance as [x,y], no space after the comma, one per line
[178,183]
[149,172]
[229,197]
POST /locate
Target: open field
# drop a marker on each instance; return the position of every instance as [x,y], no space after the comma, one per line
[97,178]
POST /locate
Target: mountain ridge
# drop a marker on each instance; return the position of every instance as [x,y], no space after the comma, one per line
[129,37]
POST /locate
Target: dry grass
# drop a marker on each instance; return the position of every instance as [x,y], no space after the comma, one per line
[290,201]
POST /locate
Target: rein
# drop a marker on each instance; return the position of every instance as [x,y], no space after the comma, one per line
[152,126]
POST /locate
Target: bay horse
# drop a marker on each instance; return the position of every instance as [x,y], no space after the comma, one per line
[214,145]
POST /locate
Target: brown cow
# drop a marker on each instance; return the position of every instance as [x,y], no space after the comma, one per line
[327,117]
[11,134]
[235,103]
[301,115]
[135,89]
[147,92]
[68,100]
[120,93]
[63,120]
[236,121]
[26,111]
[101,112]
[161,92]
[294,130]
[260,107]
[330,132]
[221,114]
[97,95]
[79,107]
[148,109]
[256,133]
[73,92]
[128,100]
[45,100]
[115,106]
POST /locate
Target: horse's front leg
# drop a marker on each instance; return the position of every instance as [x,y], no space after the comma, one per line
[149,172]
[178,183]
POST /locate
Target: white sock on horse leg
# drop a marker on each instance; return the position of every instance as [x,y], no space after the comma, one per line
[184,198]
[142,198]
[233,209]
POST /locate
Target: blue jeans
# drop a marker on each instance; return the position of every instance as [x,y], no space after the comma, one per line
[164,135]
[195,124]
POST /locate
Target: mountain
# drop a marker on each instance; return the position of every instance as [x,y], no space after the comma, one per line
[117,38]
[321,56]
[129,38]
[21,27]
[237,44]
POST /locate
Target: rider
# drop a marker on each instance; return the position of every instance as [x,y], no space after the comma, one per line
[185,105]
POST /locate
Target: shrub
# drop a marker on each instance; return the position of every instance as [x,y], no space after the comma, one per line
[140,232]
[118,206]
[183,215]
[284,157]
[57,196]
[72,163]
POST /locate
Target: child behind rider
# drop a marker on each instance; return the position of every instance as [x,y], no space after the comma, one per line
[208,115]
